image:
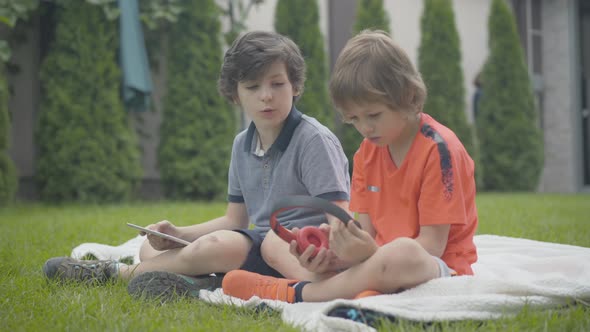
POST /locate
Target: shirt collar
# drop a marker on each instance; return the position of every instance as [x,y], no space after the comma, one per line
[284,138]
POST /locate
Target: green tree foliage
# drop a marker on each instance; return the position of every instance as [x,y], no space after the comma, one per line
[198,125]
[370,14]
[87,150]
[511,141]
[439,60]
[4,116]
[10,12]
[299,20]
[8,180]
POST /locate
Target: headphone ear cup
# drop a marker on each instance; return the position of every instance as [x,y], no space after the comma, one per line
[311,235]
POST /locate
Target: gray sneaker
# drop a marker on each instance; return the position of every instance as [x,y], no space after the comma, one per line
[167,286]
[67,268]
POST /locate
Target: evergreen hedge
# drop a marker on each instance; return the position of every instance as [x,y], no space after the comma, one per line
[507,123]
[198,125]
[299,20]
[439,60]
[370,14]
[87,150]
[8,177]
[4,117]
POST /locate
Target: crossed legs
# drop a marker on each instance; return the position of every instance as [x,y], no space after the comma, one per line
[220,251]
[398,265]
[166,274]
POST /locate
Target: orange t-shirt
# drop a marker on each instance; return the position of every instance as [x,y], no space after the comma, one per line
[435,185]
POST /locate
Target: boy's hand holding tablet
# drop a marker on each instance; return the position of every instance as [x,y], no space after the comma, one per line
[160,234]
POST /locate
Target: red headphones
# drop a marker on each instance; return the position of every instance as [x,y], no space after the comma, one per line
[307,235]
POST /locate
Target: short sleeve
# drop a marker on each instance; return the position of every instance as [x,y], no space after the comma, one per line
[234,190]
[441,199]
[358,190]
[324,168]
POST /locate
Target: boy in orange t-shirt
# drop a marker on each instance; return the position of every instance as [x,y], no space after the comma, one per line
[413,188]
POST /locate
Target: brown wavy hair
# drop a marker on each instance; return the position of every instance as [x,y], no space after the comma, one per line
[252,53]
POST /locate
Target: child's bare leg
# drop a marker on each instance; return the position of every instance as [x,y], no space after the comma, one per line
[275,252]
[221,251]
[398,265]
[146,251]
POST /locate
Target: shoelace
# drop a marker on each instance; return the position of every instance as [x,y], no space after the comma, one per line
[90,270]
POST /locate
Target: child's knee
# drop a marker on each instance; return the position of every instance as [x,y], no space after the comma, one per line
[410,249]
[270,249]
[146,251]
[219,243]
[405,264]
[402,254]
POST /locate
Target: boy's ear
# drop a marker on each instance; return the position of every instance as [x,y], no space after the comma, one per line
[411,97]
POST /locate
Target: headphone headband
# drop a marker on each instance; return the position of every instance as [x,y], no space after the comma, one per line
[292,202]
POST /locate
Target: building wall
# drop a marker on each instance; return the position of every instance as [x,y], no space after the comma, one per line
[585,109]
[562,172]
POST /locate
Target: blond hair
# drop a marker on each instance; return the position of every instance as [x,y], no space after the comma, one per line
[373,68]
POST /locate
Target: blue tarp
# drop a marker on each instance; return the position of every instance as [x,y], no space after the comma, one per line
[137,83]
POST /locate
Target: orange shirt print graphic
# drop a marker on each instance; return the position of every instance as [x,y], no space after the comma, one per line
[446,166]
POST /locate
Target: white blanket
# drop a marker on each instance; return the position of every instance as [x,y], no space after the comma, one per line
[127,250]
[509,274]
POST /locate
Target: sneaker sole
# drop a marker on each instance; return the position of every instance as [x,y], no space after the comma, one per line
[167,286]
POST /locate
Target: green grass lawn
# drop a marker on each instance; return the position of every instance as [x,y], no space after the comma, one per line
[32,233]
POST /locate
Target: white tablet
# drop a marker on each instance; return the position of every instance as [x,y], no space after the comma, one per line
[162,235]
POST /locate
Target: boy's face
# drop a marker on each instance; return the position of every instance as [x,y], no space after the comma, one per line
[267,100]
[380,124]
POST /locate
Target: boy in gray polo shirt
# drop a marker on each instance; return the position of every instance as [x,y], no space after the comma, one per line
[283,152]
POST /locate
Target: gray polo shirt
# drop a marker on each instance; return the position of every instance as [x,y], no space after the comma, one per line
[306,159]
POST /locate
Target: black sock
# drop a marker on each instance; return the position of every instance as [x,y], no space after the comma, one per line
[298,290]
